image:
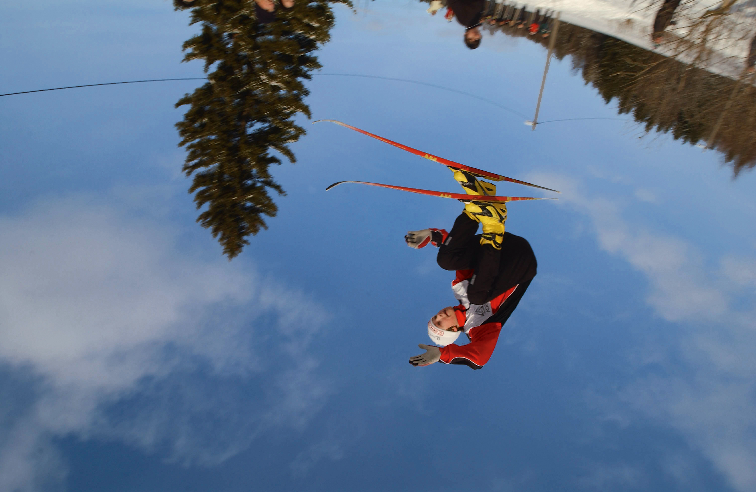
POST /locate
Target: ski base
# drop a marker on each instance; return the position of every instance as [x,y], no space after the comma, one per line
[480,173]
[463,197]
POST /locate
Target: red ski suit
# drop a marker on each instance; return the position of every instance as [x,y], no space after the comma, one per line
[489,284]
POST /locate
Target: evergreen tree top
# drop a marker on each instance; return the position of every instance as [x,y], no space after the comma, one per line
[243,116]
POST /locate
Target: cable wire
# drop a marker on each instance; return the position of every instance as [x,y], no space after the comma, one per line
[427,84]
[379,77]
[576,119]
[104,83]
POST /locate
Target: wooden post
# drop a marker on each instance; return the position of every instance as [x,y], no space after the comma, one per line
[546,69]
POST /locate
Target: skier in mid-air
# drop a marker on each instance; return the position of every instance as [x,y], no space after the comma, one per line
[493,269]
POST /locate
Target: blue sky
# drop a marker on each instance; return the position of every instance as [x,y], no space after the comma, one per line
[134,357]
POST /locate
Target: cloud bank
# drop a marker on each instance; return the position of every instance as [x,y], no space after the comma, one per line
[710,396]
[121,334]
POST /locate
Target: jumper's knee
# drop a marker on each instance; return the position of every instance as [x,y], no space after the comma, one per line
[445,261]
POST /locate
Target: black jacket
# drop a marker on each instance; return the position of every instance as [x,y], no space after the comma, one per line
[467,12]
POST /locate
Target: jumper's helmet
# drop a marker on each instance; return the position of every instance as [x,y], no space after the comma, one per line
[441,336]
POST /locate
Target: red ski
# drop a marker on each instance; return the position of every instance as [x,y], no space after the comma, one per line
[463,197]
[450,164]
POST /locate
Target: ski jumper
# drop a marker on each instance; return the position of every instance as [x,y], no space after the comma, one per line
[489,284]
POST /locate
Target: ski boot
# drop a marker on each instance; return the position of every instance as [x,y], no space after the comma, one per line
[492,216]
[471,184]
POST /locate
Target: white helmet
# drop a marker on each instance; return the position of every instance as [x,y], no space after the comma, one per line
[441,336]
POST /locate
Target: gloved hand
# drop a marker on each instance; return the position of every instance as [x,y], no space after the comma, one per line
[418,239]
[431,356]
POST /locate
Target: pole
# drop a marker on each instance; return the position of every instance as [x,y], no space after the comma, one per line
[546,68]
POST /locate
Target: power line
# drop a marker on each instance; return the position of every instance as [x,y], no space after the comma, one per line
[379,77]
[95,85]
[576,119]
[427,84]
[396,79]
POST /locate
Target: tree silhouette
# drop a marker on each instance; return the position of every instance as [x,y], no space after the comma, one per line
[662,93]
[666,95]
[244,114]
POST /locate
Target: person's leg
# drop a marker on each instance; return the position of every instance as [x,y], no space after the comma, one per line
[459,251]
[516,17]
[487,264]
[499,270]
[491,215]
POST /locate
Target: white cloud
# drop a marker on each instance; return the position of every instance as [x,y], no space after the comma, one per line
[710,397]
[680,286]
[740,270]
[105,311]
[28,461]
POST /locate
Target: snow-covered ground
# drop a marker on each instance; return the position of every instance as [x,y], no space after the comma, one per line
[718,43]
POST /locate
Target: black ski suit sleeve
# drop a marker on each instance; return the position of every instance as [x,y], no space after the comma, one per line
[460,251]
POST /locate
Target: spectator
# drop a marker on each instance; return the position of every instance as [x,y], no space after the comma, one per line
[183,4]
[663,20]
[266,10]
[469,13]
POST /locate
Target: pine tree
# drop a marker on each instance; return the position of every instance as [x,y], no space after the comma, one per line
[245,112]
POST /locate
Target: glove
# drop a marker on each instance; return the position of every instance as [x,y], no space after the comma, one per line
[418,239]
[431,356]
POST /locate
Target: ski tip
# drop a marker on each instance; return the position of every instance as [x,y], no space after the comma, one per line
[334,185]
[543,188]
[536,186]
[330,121]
